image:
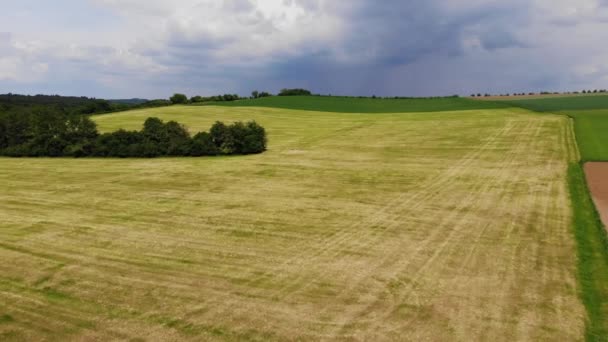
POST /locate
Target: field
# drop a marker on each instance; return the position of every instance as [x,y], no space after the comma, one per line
[590,114]
[365,105]
[591,131]
[562,104]
[534,96]
[440,226]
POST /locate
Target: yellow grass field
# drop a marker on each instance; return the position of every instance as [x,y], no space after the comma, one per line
[451,226]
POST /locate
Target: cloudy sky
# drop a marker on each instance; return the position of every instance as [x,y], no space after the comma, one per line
[153,48]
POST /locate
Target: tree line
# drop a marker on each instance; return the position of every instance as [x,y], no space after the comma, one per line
[183,99]
[594,91]
[179,98]
[61,134]
[72,104]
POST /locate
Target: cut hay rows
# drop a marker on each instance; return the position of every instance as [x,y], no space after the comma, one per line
[442,226]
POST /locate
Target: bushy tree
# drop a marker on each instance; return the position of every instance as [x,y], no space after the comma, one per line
[196,99]
[295,92]
[220,135]
[96,106]
[202,145]
[179,99]
[121,143]
[178,139]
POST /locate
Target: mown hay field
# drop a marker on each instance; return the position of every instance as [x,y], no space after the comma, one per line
[438,226]
[590,114]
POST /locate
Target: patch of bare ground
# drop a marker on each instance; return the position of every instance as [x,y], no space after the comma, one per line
[597,178]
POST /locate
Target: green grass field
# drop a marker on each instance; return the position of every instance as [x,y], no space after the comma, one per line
[592,255]
[592,133]
[566,103]
[364,105]
[434,226]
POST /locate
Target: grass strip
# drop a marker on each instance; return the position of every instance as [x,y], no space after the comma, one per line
[592,246]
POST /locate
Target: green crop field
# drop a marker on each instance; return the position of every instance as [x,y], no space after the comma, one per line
[433,226]
[566,103]
[365,105]
[592,133]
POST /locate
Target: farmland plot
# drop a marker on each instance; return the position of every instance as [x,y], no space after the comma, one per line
[441,226]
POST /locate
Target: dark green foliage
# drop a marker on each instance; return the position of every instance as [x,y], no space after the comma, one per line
[121,144]
[178,141]
[196,99]
[295,92]
[57,134]
[256,94]
[23,104]
[96,106]
[202,145]
[254,139]
[16,129]
[238,138]
[217,98]
[220,135]
[179,99]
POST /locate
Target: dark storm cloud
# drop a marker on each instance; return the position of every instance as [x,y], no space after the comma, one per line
[385,39]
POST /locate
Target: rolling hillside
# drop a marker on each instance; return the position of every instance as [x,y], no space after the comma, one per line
[446,225]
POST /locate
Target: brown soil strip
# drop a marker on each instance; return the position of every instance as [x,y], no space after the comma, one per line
[597,178]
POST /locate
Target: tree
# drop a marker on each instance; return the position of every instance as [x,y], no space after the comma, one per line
[255,94]
[179,99]
[179,139]
[202,145]
[220,135]
[255,139]
[295,92]
[80,128]
[235,143]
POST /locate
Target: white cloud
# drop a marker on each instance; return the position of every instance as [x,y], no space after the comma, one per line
[199,46]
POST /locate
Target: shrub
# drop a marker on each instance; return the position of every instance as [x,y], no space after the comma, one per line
[295,92]
[202,145]
[179,99]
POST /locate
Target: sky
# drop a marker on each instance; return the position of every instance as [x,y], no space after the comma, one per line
[154,48]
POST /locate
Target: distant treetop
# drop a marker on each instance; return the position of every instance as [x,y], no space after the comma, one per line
[295,92]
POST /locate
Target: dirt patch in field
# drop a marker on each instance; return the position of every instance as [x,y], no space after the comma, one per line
[597,178]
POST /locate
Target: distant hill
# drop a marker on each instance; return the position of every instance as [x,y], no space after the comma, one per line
[82,105]
[23,100]
[134,101]
[338,104]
